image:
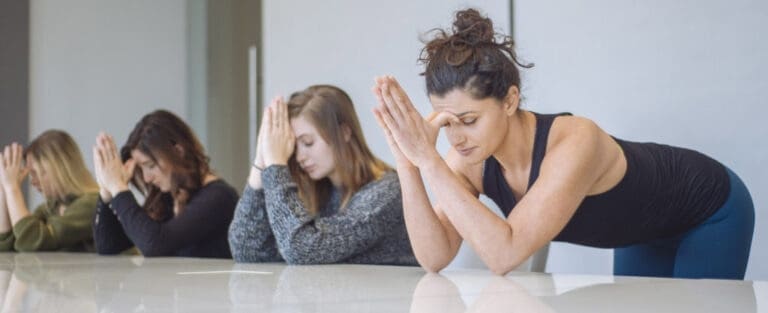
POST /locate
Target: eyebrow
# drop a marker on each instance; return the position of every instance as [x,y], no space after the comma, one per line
[464,113]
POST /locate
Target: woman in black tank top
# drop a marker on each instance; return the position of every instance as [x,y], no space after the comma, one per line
[667,211]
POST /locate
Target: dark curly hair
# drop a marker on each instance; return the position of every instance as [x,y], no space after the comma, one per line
[159,135]
[473,57]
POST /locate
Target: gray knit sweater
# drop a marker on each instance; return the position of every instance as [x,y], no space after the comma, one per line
[272,224]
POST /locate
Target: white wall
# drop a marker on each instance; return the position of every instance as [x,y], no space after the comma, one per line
[347,43]
[687,73]
[102,64]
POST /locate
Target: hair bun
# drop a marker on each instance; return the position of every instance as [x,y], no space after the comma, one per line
[472,29]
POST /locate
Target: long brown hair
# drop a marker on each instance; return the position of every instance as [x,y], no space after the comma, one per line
[331,111]
[163,135]
[58,158]
[473,57]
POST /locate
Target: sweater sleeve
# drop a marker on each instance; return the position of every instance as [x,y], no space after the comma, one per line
[304,239]
[6,241]
[37,232]
[108,234]
[199,220]
[250,236]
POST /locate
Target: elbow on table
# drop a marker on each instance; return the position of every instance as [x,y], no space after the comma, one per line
[302,255]
[433,266]
[504,266]
[155,250]
[293,257]
[501,270]
[106,250]
[21,248]
[241,256]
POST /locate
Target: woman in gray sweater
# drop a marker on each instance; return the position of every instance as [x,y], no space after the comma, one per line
[316,194]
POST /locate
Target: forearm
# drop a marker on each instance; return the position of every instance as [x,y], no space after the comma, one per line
[35,234]
[490,236]
[288,220]
[108,234]
[17,207]
[250,236]
[254,178]
[146,234]
[5,220]
[429,238]
[303,238]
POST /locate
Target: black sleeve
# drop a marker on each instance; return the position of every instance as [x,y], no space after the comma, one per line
[108,234]
[204,214]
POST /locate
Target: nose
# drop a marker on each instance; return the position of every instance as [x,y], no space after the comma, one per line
[455,137]
[301,155]
[146,176]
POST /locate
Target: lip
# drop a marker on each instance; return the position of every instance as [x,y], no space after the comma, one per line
[309,169]
[465,152]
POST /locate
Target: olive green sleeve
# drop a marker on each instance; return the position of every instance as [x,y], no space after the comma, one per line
[6,241]
[39,233]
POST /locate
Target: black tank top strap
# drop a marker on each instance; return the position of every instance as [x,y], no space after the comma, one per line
[496,187]
[543,125]
[494,184]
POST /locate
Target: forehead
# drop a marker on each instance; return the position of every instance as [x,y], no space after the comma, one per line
[302,126]
[31,162]
[458,101]
[139,156]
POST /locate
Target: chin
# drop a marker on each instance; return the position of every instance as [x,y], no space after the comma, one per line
[315,176]
[474,159]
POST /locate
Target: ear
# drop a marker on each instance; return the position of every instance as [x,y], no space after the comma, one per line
[512,100]
[347,132]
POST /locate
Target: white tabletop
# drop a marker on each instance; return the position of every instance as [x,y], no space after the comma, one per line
[70,282]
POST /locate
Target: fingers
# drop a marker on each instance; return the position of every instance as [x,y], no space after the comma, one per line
[440,119]
[393,107]
[6,156]
[103,147]
[277,114]
[398,93]
[97,159]
[380,120]
[387,120]
[12,155]
[129,168]
[113,155]
[282,109]
[16,154]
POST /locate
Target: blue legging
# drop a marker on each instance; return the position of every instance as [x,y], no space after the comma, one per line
[717,248]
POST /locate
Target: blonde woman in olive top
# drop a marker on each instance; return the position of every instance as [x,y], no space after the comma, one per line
[56,170]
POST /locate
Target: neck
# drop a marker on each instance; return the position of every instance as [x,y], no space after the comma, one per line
[335,179]
[209,178]
[514,152]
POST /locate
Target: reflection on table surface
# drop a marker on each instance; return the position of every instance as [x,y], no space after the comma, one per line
[71,282]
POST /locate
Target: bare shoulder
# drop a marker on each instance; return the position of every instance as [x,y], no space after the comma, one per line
[581,140]
[568,128]
[471,175]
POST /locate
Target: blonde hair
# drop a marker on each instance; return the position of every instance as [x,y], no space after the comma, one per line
[57,156]
[331,111]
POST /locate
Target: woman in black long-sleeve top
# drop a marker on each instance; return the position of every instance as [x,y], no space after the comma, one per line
[187,210]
